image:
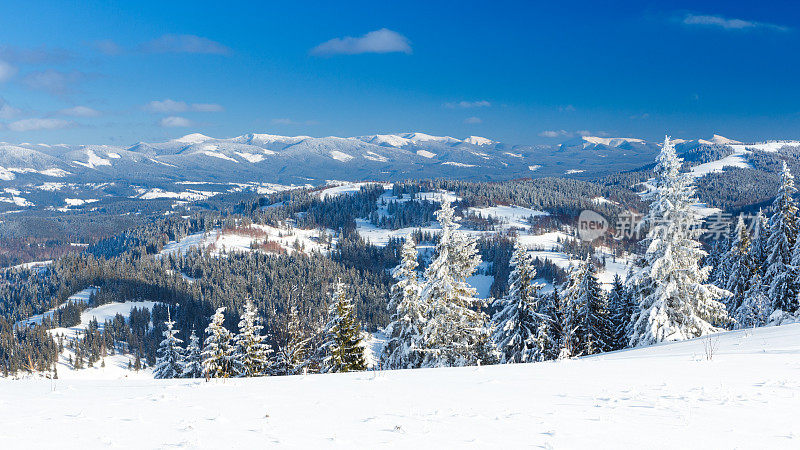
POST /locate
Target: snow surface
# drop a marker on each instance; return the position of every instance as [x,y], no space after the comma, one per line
[667,396]
[511,216]
[341,156]
[227,241]
[737,159]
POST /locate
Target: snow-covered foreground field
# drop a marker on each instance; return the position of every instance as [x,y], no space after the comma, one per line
[668,396]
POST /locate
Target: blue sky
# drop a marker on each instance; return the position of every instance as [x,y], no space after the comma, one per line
[521,72]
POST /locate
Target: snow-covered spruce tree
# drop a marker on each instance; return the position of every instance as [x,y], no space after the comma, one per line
[755,308]
[193,366]
[758,245]
[343,348]
[251,355]
[218,348]
[455,332]
[674,301]
[169,362]
[587,327]
[783,234]
[521,332]
[740,267]
[620,309]
[402,351]
[292,356]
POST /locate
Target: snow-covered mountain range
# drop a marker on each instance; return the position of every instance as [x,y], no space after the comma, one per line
[187,168]
[295,159]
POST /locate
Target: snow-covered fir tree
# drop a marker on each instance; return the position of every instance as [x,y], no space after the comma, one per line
[740,267]
[674,301]
[521,332]
[193,365]
[455,332]
[251,355]
[759,252]
[783,234]
[218,348]
[755,309]
[292,356]
[169,362]
[402,351]
[620,308]
[586,324]
[343,348]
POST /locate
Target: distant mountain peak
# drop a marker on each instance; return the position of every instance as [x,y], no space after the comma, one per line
[194,138]
[477,140]
[718,140]
[611,142]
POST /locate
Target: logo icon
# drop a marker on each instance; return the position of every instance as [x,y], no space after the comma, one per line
[591,225]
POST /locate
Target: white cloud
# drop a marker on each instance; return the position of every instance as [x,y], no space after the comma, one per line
[7,111]
[184,43]
[80,111]
[466,104]
[38,124]
[566,108]
[379,41]
[53,81]
[175,122]
[207,107]
[107,47]
[555,133]
[730,24]
[166,106]
[6,71]
[172,106]
[473,120]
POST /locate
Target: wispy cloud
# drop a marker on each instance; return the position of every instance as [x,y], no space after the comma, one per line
[38,55]
[107,47]
[80,111]
[172,106]
[38,124]
[53,81]
[7,111]
[566,108]
[468,104]
[379,41]
[555,133]
[473,120]
[175,122]
[184,43]
[729,24]
[6,71]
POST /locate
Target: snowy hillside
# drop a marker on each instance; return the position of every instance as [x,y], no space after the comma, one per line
[667,396]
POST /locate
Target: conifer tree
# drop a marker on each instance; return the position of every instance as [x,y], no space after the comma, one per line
[674,301]
[755,308]
[521,332]
[740,269]
[343,349]
[218,348]
[169,363]
[783,233]
[759,252]
[620,308]
[292,356]
[586,319]
[251,355]
[403,349]
[193,368]
[455,332]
